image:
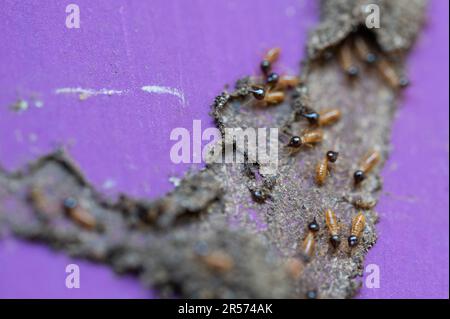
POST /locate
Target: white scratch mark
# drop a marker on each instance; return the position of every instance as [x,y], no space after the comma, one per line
[89,92]
[164,90]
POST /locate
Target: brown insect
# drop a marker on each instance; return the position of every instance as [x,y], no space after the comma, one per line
[322,118]
[218,261]
[308,245]
[322,167]
[79,214]
[358,224]
[345,59]
[367,163]
[364,50]
[271,56]
[294,267]
[333,227]
[287,82]
[308,137]
[390,75]
[274,97]
[40,202]
[328,117]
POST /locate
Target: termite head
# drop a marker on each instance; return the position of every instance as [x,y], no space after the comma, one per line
[312,117]
[313,226]
[352,71]
[265,66]
[359,176]
[259,196]
[311,294]
[371,58]
[352,241]
[403,82]
[332,156]
[295,141]
[258,92]
[70,203]
[272,79]
[335,241]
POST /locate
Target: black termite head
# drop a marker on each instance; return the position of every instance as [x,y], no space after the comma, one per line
[311,294]
[258,196]
[265,66]
[335,240]
[70,203]
[371,58]
[295,141]
[332,156]
[272,78]
[352,241]
[352,71]
[314,226]
[359,176]
[403,82]
[258,92]
[311,116]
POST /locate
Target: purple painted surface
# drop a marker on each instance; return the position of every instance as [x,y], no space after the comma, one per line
[122,141]
[413,245]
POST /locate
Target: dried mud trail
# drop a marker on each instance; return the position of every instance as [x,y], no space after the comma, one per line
[210,237]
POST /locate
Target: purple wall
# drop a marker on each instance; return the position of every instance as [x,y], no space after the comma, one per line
[122,143]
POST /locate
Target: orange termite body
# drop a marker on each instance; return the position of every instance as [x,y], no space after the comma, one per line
[308,137]
[270,57]
[390,75]
[322,167]
[287,82]
[328,117]
[274,97]
[333,227]
[308,245]
[345,58]
[358,224]
[294,267]
[40,203]
[79,214]
[219,261]
[366,165]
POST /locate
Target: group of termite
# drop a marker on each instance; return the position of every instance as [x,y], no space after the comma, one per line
[273,92]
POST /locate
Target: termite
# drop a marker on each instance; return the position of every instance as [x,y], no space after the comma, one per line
[368,162]
[218,261]
[272,79]
[333,227]
[322,168]
[258,92]
[314,226]
[40,203]
[364,51]
[322,118]
[308,137]
[79,214]
[328,117]
[287,82]
[358,224]
[345,58]
[274,97]
[270,57]
[390,75]
[294,267]
[308,246]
